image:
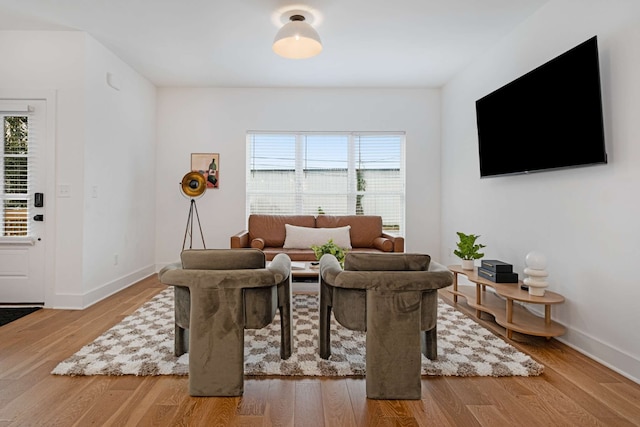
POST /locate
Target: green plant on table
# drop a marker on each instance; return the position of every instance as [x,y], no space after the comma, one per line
[468,249]
[330,248]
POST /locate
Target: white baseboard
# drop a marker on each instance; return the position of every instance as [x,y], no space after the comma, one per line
[81,301]
[615,359]
[625,364]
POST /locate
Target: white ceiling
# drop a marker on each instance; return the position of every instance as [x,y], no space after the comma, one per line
[367,43]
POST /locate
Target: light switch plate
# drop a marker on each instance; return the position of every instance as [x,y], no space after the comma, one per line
[64,190]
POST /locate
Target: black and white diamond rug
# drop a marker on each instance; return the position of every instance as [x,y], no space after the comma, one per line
[142,344]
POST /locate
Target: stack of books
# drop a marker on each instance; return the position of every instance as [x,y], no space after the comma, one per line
[497,271]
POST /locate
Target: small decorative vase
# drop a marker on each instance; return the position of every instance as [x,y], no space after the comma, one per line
[468,264]
[536,270]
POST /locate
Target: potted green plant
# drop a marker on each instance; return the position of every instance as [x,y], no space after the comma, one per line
[330,248]
[468,250]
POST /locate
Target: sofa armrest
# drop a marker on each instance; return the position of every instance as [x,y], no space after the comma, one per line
[383,244]
[257,243]
[240,240]
[398,242]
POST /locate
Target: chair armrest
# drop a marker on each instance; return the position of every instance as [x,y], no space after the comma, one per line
[280,266]
[437,267]
[240,240]
[329,268]
[172,266]
[398,242]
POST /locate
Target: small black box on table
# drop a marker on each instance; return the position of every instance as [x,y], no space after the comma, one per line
[498,277]
[496,266]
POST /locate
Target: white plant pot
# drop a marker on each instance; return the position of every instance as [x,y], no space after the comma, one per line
[468,264]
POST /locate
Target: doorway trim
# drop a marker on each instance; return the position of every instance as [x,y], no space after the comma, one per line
[49,97]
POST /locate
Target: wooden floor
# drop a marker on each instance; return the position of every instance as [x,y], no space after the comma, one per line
[573,391]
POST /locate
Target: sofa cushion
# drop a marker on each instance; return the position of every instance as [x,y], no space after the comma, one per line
[270,228]
[294,254]
[305,237]
[364,228]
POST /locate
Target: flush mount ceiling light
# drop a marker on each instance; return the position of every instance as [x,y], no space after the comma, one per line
[297,39]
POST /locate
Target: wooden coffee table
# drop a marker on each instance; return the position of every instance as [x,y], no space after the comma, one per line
[304,269]
[305,277]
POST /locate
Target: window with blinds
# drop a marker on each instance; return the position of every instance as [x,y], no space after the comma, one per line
[333,174]
[15,163]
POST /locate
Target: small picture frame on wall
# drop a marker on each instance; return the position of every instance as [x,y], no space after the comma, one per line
[208,164]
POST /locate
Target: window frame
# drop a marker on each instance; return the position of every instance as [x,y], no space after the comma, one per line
[354,139]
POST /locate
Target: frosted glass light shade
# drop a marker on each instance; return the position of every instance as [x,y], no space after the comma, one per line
[297,40]
[536,265]
[536,260]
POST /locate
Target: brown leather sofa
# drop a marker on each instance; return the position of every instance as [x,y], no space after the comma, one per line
[268,233]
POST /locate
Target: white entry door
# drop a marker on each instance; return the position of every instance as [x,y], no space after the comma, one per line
[22,207]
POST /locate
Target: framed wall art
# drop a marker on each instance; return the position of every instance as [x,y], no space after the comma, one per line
[208,164]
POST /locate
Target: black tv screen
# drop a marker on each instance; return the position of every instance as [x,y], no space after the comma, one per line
[549,118]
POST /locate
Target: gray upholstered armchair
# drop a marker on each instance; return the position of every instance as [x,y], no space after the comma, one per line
[394,298]
[219,293]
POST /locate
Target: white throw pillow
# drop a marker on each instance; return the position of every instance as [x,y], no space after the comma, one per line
[303,237]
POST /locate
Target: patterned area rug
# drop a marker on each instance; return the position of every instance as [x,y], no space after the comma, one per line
[142,344]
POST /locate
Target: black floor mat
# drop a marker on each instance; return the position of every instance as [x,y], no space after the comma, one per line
[10,314]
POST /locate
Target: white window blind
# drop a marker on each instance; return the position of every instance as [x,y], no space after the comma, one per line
[17,164]
[333,174]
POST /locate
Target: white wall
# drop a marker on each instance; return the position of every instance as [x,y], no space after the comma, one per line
[71,65]
[54,61]
[216,120]
[585,220]
[119,175]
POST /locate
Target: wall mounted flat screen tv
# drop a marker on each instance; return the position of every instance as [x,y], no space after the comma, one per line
[549,118]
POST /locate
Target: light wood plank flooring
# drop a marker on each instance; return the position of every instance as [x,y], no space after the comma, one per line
[573,391]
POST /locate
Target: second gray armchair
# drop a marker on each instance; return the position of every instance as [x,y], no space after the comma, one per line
[393,297]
